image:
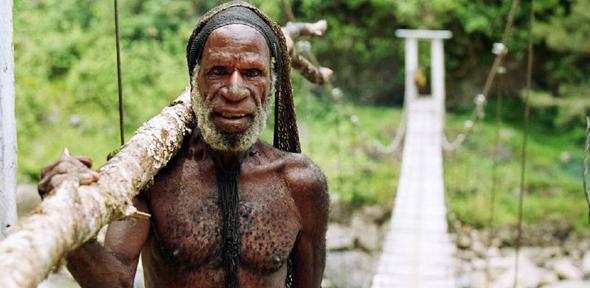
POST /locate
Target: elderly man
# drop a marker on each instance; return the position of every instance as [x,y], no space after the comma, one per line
[228,210]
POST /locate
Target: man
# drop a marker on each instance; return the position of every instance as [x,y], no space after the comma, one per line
[228,210]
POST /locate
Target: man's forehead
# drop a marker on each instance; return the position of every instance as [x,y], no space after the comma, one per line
[237,40]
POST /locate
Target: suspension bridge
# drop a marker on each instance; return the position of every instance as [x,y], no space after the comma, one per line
[418,250]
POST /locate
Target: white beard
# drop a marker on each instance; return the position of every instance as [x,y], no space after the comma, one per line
[220,140]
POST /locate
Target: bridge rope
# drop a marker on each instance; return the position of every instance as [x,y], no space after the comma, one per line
[119,75]
[493,188]
[586,156]
[524,141]
[500,49]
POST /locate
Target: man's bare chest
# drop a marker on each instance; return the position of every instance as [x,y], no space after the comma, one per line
[187,221]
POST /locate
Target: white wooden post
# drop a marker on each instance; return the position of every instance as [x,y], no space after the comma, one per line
[7,122]
[437,68]
[411,67]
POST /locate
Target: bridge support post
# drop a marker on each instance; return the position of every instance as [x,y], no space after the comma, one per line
[437,61]
[411,91]
[7,122]
[437,68]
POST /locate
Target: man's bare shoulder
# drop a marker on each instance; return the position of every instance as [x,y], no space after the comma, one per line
[305,179]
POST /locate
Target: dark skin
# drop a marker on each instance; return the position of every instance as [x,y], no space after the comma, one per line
[283,196]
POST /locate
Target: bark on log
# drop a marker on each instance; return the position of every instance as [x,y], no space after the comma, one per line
[74,214]
[309,71]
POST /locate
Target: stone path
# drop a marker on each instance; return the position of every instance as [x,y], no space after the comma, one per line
[418,250]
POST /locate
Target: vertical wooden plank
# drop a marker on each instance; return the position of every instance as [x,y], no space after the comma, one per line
[7,121]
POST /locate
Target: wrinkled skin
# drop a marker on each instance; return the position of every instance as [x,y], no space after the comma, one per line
[283,196]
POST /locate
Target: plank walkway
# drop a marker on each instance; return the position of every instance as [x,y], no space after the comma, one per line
[418,251]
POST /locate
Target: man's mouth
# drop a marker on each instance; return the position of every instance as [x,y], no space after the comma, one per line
[229,115]
[233,122]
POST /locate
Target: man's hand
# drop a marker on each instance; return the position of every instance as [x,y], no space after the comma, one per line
[66,167]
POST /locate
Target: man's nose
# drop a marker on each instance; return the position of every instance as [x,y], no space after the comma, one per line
[235,91]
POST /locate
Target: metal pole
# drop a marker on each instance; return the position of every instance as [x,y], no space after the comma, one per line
[7,122]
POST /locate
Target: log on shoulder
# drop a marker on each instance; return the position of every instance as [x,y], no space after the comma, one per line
[73,214]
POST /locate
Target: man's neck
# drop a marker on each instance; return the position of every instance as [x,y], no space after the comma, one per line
[227,160]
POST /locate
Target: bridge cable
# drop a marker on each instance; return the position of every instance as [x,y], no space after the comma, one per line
[500,89]
[501,50]
[119,76]
[586,156]
[524,140]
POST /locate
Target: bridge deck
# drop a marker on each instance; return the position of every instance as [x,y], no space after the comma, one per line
[418,251]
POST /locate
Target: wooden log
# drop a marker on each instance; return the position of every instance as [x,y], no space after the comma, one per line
[7,122]
[73,214]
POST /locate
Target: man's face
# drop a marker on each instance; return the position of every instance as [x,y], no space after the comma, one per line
[233,83]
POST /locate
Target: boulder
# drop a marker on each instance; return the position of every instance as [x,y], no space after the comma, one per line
[349,269]
[339,237]
[570,284]
[586,265]
[366,233]
[529,275]
[565,269]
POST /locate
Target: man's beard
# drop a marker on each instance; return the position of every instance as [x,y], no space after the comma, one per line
[220,140]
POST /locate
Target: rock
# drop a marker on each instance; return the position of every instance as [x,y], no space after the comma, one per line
[478,248]
[570,284]
[463,241]
[586,265]
[366,233]
[529,275]
[549,277]
[349,269]
[565,269]
[339,211]
[27,198]
[375,214]
[339,237]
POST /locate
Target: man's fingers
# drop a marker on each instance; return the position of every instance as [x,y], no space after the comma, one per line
[89,177]
[85,160]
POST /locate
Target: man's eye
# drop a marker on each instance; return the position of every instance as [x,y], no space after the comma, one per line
[218,71]
[253,73]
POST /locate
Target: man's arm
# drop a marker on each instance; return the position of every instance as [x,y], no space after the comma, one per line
[115,263]
[310,191]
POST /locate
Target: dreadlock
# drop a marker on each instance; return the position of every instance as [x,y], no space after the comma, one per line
[286,137]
